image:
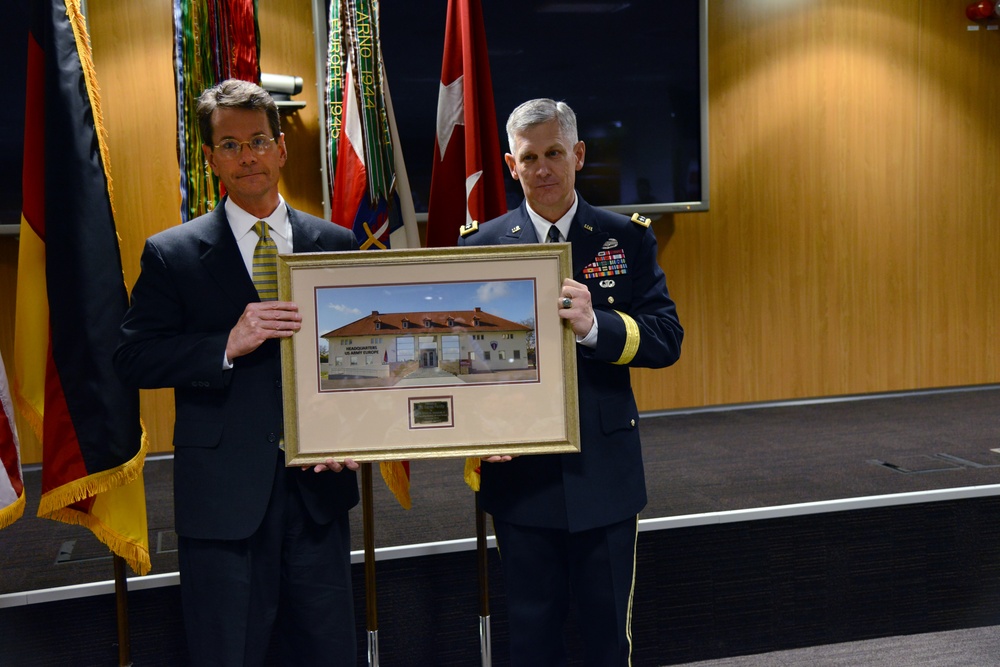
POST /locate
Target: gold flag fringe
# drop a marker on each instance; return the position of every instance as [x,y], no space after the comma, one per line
[12,512]
[472,473]
[79,24]
[396,479]
[55,504]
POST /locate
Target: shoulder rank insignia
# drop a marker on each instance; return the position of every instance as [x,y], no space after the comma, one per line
[468,228]
[641,220]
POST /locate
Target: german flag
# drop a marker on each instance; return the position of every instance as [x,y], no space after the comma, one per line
[71,297]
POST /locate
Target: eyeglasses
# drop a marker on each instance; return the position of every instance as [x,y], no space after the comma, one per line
[231,149]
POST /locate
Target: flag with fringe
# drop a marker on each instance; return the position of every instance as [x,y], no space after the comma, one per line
[467,176]
[370,191]
[71,297]
[11,481]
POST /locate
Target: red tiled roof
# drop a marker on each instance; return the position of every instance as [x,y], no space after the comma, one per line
[392,323]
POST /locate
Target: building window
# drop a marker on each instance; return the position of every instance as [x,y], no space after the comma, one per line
[404,349]
[486,355]
[450,348]
[501,355]
[517,354]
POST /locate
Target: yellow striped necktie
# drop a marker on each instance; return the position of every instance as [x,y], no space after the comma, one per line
[265,264]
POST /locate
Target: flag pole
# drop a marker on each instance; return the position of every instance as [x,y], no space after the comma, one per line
[121,600]
[371,610]
[485,648]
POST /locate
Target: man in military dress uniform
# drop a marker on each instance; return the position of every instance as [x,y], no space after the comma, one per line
[566,524]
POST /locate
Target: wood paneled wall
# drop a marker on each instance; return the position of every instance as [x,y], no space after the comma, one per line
[854,231]
[851,242]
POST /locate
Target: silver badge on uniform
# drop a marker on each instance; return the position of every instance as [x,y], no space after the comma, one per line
[607,283]
[610,243]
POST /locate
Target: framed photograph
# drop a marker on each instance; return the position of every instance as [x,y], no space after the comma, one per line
[428,353]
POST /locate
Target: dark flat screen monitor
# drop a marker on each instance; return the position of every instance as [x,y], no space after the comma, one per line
[634,72]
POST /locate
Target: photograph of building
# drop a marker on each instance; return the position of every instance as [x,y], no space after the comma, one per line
[410,347]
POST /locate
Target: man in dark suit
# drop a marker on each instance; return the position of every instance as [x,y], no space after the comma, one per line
[258,543]
[566,525]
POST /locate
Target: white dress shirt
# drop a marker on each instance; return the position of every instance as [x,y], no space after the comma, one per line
[542,227]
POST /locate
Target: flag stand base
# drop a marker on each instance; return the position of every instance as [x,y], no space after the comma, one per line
[373,648]
[485,649]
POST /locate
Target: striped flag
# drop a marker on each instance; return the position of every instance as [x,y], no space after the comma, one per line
[71,297]
[467,177]
[11,481]
[214,40]
[370,191]
[365,160]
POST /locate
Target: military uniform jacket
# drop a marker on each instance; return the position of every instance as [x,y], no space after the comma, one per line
[616,259]
[191,291]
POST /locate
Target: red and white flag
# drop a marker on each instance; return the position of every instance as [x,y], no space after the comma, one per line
[371,193]
[350,182]
[11,481]
[467,179]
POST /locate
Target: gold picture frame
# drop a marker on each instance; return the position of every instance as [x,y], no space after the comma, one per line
[428,353]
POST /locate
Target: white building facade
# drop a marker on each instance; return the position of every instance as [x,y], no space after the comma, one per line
[458,342]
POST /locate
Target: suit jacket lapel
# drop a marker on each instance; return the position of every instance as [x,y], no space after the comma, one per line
[304,239]
[586,236]
[222,259]
[520,229]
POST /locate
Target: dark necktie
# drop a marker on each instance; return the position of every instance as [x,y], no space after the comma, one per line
[553,234]
[265,264]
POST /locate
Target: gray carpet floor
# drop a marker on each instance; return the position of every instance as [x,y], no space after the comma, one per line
[696,462]
[974,647]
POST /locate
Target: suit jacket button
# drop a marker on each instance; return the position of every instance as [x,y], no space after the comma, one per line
[271,437]
[611,299]
[632,423]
